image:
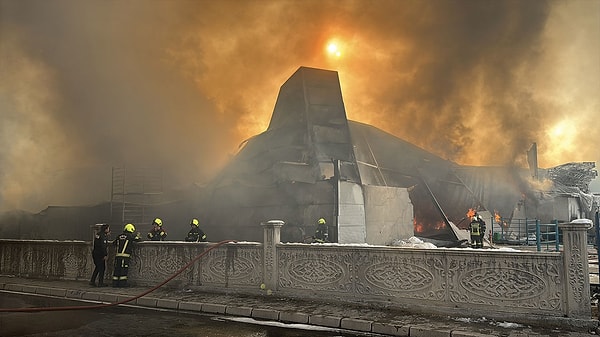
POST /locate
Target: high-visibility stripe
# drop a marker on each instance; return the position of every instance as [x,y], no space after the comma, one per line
[125,246]
[122,255]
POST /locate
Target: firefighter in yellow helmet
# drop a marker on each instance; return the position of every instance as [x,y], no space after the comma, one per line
[322,232]
[157,233]
[477,229]
[195,234]
[124,243]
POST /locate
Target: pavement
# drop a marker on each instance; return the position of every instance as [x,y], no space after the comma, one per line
[263,306]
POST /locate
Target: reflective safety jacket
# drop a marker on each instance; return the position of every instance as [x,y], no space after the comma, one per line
[124,243]
[475,228]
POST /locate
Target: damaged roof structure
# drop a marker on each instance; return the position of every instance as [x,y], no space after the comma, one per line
[370,186]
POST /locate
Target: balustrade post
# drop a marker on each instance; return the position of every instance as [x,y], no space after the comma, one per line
[272,237]
[577,276]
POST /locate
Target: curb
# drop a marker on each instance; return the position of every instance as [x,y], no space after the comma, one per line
[346,323]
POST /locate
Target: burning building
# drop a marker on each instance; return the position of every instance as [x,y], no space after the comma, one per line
[370,186]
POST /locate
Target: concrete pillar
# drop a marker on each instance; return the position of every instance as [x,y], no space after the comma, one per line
[272,236]
[577,277]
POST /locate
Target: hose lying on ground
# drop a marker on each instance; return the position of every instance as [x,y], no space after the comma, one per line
[105,305]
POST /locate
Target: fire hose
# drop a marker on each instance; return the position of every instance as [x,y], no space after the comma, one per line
[106,305]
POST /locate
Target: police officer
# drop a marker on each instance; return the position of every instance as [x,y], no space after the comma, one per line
[124,243]
[100,254]
[322,232]
[157,233]
[195,234]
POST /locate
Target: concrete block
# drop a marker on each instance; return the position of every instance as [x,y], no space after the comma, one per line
[356,324]
[269,314]
[428,331]
[51,291]
[15,287]
[293,317]
[459,333]
[111,298]
[238,311]
[146,302]
[123,298]
[330,321]
[214,308]
[168,304]
[89,295]
[74,293]
[389,329]
[190,306]
[29,289]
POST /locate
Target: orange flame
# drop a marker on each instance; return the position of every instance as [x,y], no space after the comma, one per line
[419,228]
[497,216]
[471,213]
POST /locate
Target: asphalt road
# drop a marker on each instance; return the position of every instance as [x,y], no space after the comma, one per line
[129,321]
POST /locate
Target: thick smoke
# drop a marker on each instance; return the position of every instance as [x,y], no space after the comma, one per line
[89,85]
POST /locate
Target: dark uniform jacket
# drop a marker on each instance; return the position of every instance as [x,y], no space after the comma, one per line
[196,235]
[100,249]
[157,235]
[322,234]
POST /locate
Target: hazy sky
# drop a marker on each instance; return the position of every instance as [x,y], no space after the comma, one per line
[86,85]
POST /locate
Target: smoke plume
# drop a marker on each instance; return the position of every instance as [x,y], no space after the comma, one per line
[89,85]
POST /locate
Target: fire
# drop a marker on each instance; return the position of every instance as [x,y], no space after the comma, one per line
[424,227]
[471,213]
[499,220]
[419,228]
[439,225]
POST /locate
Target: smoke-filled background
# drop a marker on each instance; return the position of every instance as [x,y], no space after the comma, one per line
[86,85]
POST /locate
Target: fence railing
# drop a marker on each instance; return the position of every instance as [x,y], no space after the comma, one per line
[528,232]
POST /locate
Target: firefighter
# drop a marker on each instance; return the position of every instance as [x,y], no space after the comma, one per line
[157,233]
[195,234]
[477,229]
[124,243]
[322,232]
[100,255]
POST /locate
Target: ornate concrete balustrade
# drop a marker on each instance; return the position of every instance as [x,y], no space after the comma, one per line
[510,285]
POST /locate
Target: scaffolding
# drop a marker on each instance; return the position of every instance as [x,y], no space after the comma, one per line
[135,191]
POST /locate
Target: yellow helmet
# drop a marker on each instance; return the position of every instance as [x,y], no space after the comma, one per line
[195,222]
[129,228]
[158,222]
[321,221]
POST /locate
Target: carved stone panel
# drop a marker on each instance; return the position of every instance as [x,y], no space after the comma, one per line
[523,281]
[232,265]
[402,274]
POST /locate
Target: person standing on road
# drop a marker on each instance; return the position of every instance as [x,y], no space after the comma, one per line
[124,243]
[157,233]
[195,234]
[100,254]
